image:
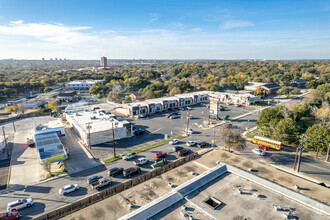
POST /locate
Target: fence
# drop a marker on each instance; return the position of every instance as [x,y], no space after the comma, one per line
[82,203]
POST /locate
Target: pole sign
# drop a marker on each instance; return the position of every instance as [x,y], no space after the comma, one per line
[214,106]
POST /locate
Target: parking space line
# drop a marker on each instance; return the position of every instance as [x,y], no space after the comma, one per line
[156,130]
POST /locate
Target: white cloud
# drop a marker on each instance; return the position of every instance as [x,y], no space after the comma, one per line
[236,24]
[196,29]
[153,17]
[177,24]
[56,33]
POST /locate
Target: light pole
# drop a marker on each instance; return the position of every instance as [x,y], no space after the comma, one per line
[113,141]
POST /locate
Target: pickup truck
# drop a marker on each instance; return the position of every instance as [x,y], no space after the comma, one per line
[101,183]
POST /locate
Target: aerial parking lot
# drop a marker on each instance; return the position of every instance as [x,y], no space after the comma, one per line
[157,125]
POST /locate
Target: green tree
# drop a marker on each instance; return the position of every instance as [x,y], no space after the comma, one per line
[284,91]
[269,117]
[175,91]
[286,131]
[296,91]
[316,133]
[299,111]
[53,106]
[47,89]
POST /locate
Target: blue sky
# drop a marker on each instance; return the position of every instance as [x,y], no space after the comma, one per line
[159,29]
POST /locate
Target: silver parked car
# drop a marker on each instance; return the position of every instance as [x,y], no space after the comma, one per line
[19,204]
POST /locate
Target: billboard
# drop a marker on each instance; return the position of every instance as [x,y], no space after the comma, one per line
[214,106]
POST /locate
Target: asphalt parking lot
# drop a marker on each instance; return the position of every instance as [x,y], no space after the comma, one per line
[157,125]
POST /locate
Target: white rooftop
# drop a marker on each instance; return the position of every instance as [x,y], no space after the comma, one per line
[96,121]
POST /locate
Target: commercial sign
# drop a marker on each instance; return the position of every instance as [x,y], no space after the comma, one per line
[214,105]
[54,159]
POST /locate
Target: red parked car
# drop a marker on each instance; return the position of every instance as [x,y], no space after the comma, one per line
[160,154]
[262,147]
[9,215]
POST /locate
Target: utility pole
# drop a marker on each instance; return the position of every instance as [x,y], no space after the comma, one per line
[113,141]
[299,159]
[295,159]
[327,158]
[5,140]
[14,125]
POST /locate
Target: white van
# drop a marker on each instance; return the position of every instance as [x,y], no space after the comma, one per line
[20,204]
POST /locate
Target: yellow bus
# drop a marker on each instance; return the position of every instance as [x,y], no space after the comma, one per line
[267,142]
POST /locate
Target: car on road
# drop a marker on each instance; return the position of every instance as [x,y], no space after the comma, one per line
[160,154]
[203,144]
[258,151]
[174,141]
[177,148]
[183,152]
[262,147]
[68,188]
[19,204]
[221,108]
[141,161]
[191,143]
[101,183]
[138,131]
[9,215]
[191,117]
[159,163]
[130,171]
[238,105]
[226,117]
[144,115]
[129,156]
[93,179]
[175,116]
[115,171]
[191,131]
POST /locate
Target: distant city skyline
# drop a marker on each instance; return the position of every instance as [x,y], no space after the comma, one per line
[165,29]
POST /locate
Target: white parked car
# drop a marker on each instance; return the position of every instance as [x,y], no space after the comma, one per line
[19,204]
[141,161]
[174,141]
[191,143]
[191,117]
[68,188]
[129,156]
[259,152]
[191,131]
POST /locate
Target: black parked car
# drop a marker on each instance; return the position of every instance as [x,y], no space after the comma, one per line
[177,148]
[183,152]
[115,171]
[130,171]
[203,144]
[93,179]
[138,131]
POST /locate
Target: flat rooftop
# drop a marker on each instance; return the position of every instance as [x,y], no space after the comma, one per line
[97,121]
[49,145]
[233,197]
[238,197]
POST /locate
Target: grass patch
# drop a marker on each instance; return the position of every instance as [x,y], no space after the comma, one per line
[261,104]
[56,173]
[251,134]
[112,159]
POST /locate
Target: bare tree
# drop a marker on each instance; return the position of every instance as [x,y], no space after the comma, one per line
[48,168]
[232,138]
